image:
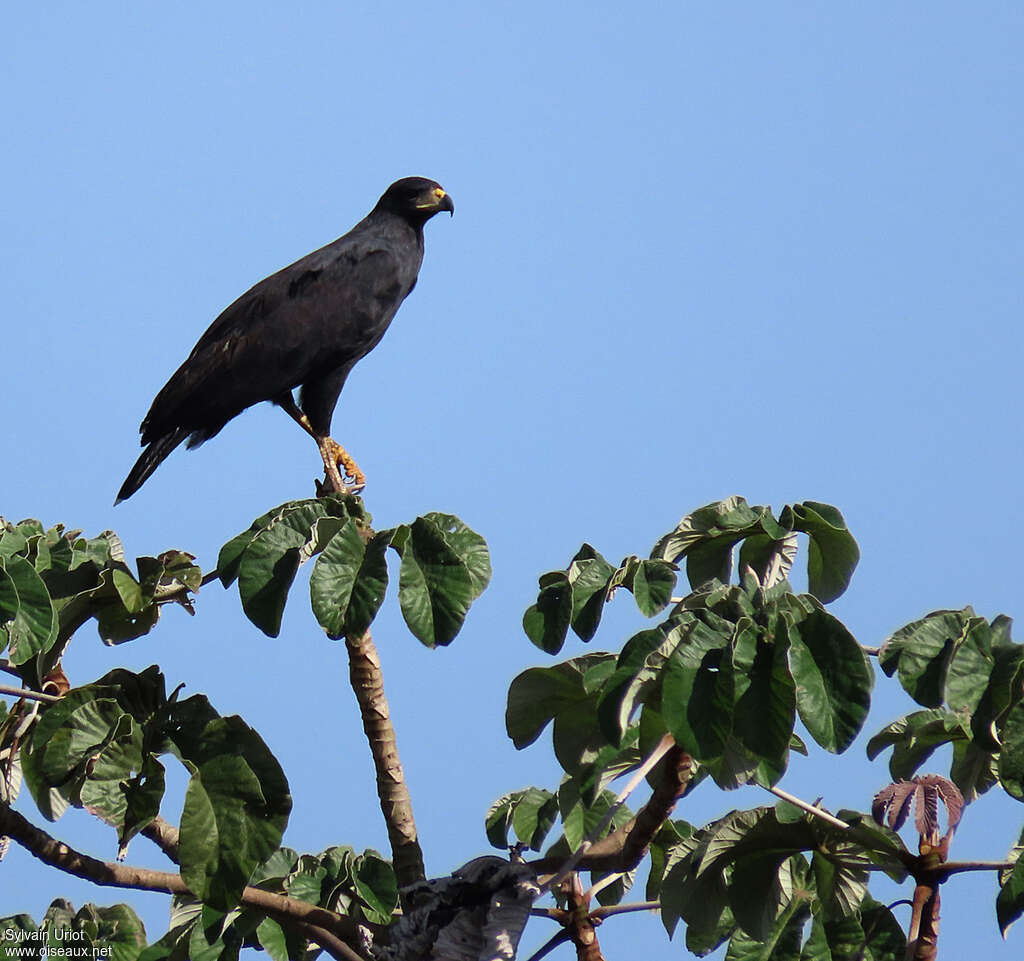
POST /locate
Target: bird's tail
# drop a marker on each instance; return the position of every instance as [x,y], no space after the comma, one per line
[149,460]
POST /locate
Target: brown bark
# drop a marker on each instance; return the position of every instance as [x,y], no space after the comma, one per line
[395,802]
[65,858]
[581,926]
[624,849]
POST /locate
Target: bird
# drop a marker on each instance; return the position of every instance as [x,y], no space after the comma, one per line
[304,327]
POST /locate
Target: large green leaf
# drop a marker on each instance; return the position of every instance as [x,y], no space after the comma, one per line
[349,581]
[832,552]
[571,598]
[441,574]
[915,738]
[783,935]
[377,887]
[271,560]
[27,618]
[651,583]
[540,694]
[1011,759]
[696,700]
[833,680]
[920,652]
[236,808]
[706,538]
[530,813]
[1010,900]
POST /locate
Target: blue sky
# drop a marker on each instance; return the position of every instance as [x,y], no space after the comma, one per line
[771,250]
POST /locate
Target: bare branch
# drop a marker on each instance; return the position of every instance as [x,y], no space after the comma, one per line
[392,791]
[164,835]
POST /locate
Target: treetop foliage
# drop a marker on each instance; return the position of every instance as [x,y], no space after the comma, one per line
[735,673]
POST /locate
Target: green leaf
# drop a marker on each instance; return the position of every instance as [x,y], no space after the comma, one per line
[699,899]
[469,547]
[781,941]
[270,561]
[27,617]
[531,812]
[546,623]
[580,819]
[540,694]
[920,652]
[272,939]
[377,887]
[651,583]
[1011,759]
[1010,900]
[832,554]
[762,886]
[696,694]
[533,815]
[589,575]
[915,738]
[833,680]
[230,557]
[236,808]
[436,584]
[349,581]
[571,598]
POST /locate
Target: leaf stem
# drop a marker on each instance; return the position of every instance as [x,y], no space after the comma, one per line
[27,694]
[818,812]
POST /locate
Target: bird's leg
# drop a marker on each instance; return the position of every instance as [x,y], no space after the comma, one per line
[332,453]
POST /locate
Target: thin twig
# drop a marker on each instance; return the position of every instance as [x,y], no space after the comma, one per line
[27,694]
[8,667]
[809,808]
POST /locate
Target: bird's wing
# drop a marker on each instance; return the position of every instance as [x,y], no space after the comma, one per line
[324,311]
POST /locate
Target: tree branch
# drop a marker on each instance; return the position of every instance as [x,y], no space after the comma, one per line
[395,802]
[624,849]
[164,835]
[65,858]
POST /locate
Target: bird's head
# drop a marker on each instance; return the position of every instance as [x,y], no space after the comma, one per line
[416,199]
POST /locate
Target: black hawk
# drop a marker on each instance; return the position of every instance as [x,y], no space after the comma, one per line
[305,326]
